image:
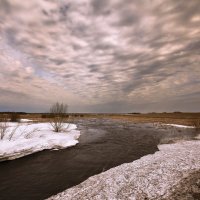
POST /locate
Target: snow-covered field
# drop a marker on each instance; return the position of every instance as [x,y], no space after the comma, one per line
[25,138]
[153,177]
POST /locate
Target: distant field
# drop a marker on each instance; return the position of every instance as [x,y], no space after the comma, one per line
[175,118]
[172,118]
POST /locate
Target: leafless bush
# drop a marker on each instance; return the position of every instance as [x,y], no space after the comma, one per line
[27,135]
[58,111]
[3,127]
[8,132]
[12,133]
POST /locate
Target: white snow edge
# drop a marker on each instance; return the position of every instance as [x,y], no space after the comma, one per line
[31,138]
[179,126]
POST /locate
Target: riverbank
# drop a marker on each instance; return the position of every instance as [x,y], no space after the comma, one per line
[170,173]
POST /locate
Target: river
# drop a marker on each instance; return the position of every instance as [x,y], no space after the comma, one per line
[103,144]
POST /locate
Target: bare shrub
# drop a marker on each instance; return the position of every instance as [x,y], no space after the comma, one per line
[28,134]
[12,133]
[58,112]
[8,132]
[25,133]
[3,127]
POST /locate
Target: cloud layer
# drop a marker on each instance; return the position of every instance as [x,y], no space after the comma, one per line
[100,56]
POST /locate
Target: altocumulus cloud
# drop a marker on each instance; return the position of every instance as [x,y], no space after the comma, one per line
[100,55]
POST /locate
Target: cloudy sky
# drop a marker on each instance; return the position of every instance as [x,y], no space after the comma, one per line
[100,55]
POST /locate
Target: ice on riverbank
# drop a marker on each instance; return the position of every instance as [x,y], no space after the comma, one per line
[152,177]
[21,140]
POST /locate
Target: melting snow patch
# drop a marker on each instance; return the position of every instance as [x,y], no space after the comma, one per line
[151,177]
[179,126]
[22,140]
[26,120]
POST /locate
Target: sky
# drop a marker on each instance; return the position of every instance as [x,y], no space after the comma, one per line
[100,55]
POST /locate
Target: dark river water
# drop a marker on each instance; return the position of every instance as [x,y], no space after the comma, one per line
[103,145]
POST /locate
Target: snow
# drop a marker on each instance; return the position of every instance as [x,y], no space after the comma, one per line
[154,176]
[26,120]
[179,126]
[31,138]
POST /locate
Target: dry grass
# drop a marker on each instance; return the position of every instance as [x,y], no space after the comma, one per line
[170,118]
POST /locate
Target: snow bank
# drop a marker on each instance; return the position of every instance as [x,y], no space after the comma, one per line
[151,177]
[26,120]
[31,138]
[179,126]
